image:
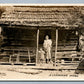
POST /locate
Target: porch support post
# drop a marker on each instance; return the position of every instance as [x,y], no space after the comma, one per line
[56,45]
[37,45]
[10,59]
[29,55]
[17,59]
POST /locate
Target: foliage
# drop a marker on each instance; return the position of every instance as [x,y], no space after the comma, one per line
[2,9]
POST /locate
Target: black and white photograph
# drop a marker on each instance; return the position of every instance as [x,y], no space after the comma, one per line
[41,42]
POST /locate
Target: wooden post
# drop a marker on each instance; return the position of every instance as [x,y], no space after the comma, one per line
[18,55]
[56,45]
[0,30]
[29,55]
[10,59]
[17,60]
[37,46]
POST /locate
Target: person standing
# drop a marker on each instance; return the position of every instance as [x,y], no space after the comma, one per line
[47,47]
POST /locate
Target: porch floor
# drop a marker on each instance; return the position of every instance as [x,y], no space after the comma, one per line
[44,66]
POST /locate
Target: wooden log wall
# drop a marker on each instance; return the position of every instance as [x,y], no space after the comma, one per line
[19,41]
[67,42]
[23,41]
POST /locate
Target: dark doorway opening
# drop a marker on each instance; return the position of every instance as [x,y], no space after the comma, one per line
[42,35]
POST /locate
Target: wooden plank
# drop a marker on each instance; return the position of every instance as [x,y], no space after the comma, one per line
[19,55]
[69,57]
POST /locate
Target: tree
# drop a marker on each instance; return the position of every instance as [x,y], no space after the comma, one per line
[2,10]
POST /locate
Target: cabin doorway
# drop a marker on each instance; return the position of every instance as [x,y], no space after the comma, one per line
[42,35]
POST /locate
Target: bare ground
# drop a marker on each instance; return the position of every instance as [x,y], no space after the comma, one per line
[18,72]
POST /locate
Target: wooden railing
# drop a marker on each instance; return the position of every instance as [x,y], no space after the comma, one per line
[19,54]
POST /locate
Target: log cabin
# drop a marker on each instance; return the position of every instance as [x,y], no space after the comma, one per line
[23,30]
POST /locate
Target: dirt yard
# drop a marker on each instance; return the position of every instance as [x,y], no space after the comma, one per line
[18,72]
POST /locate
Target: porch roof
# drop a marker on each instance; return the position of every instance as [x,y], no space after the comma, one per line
[57,16]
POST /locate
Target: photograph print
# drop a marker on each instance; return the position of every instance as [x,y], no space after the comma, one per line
[41,42]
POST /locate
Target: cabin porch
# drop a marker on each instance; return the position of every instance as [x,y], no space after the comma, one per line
[20,45]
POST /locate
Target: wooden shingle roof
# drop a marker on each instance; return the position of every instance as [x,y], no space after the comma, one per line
[59,16]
